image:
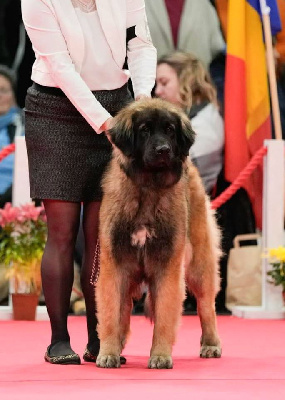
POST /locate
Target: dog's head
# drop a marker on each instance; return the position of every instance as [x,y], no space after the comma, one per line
[154,138]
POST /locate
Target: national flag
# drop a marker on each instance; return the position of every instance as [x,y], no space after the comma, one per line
[247,104]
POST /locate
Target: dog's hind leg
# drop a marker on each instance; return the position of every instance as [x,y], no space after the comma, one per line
[167,295]
[210,342]
[109,298]
[202,275]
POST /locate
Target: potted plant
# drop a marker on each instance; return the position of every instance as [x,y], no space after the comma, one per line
[22,239]
[277,273]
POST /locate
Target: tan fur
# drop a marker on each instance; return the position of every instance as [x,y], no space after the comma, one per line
[194,258]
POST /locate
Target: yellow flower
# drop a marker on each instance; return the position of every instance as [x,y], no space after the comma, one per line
[277,254]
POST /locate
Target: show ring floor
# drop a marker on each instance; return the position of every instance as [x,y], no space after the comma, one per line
[252,365]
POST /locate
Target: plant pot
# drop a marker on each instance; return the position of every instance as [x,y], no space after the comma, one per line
[24,306]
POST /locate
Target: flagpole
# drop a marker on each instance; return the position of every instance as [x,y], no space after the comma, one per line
[265,12]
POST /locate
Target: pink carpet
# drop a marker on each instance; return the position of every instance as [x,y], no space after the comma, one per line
[252,365]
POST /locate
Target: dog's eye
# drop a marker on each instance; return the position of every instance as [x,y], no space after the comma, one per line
[144,129]
[170,129]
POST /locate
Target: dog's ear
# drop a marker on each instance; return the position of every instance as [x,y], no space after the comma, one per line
[122,134]
[187,136]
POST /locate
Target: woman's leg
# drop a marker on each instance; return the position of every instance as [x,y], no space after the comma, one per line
[57,269]
[91,230]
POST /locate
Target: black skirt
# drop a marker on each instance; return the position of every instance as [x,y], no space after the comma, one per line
[66,156]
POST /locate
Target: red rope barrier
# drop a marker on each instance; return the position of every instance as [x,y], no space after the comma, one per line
[222,198]
[241,178]
[6,151]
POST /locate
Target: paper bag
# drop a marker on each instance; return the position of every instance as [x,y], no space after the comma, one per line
[244,273]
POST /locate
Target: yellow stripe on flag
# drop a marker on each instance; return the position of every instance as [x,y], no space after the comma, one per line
[258,107]
[236,39]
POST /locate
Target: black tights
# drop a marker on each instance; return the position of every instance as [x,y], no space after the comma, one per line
[63,219]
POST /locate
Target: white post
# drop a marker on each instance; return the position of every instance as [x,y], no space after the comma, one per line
[272,231]
[273,216]
[21,182]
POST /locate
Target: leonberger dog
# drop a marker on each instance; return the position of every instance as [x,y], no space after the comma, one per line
[156,227]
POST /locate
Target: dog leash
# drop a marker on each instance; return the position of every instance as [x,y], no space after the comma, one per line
[96,265]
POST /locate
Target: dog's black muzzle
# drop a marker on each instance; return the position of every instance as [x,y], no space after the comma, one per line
[162,156]
[159,156]
[162,150]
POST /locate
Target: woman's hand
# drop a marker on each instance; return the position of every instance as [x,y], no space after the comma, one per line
[142,96]
[106,126]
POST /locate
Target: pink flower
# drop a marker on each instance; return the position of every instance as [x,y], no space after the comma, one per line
[29,211]
[8,214]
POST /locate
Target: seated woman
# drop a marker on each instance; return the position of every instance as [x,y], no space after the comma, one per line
[183,80]
[11,125]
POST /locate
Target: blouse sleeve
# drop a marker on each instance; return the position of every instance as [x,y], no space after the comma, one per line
[142,55]
[48,42]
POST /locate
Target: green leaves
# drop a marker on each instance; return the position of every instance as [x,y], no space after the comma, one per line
[277,274]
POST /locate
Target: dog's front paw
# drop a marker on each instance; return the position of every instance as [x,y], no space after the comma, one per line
[210,351]
[160,362]
[108,361]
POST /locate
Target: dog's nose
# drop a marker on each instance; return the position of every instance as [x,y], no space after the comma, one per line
[162,149]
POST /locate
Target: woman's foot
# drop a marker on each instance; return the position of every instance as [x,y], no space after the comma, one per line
[93,347]
[61,353]
[88,356]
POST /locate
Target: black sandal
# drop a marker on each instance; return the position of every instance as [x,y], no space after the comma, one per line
[89,357]
[72,358]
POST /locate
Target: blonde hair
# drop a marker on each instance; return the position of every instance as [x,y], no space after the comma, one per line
[195,83]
